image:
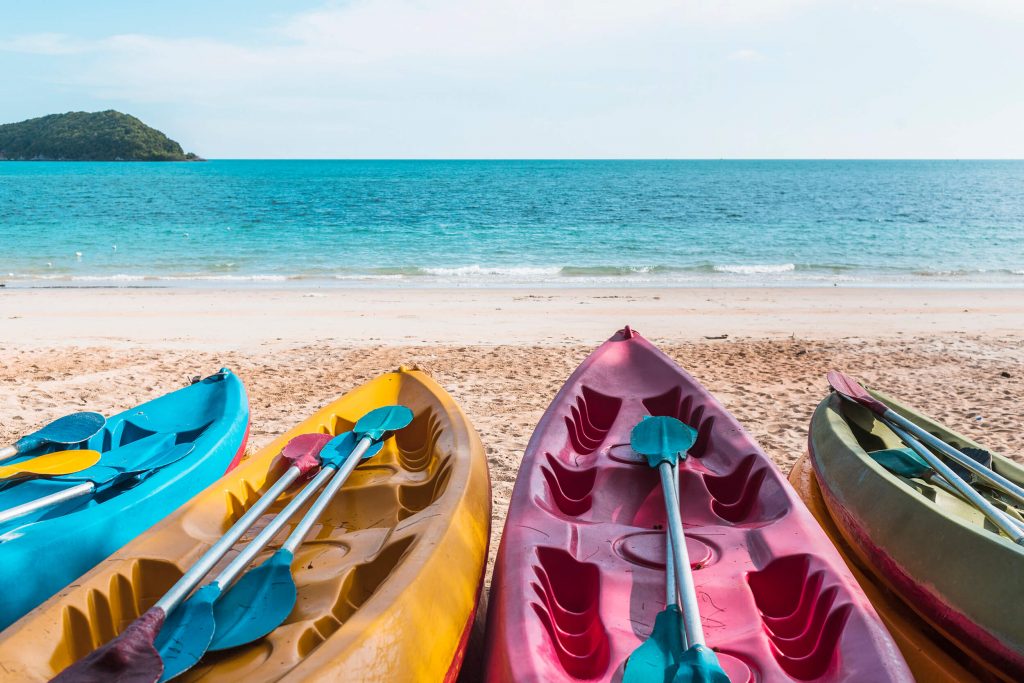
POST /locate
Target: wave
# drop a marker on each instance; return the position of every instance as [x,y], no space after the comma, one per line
[478,270]
[757,269]
[736,274]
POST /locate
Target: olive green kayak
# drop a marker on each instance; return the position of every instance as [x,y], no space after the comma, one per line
[935,550]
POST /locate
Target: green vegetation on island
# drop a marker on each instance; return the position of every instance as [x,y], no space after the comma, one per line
[84,136]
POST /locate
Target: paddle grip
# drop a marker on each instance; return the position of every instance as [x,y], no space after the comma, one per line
[8,452]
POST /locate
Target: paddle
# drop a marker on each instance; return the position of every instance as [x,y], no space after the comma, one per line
[852,390]
[64,431]
[265,597]
[51,465]
[131,656]
[662,658]
[906,463]
[101,478]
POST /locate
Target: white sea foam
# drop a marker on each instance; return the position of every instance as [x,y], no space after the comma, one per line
[765,269]
[476,271]
[369,276]
[119,277]
[227,278]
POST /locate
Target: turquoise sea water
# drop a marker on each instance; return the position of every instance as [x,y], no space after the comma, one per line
[499,223]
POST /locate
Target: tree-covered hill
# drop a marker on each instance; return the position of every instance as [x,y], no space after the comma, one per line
[84,136]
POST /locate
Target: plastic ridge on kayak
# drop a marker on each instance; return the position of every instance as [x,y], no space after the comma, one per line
[48,549]
[388,579]
[933,549]
[580,572]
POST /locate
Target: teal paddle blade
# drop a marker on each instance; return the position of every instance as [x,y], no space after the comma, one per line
[699,664]
[109,477]
[341,446]
[187,632]
[662,439]
[902,461]
[257,604]
[66,430]
[132,456]
[377,423]
[656,659]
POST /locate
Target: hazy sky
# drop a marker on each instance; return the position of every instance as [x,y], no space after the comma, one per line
[533,78]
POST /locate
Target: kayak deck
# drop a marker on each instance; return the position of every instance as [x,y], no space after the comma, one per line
[47,549]
[939,554]
[580,574]
[387,581]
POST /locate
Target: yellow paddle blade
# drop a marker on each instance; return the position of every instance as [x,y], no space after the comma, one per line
[52,464]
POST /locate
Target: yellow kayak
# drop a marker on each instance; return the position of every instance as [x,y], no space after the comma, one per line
[388,582]
[928,654]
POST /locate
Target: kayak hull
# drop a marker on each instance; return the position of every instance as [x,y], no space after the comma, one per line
[930,656]
[44,552]
[388,579]
[580,576]
[930,548]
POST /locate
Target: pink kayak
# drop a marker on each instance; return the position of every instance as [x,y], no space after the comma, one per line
[580,574]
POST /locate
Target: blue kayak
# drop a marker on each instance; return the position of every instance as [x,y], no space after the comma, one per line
[46,550]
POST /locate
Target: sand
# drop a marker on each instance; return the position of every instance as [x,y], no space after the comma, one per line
[957,354]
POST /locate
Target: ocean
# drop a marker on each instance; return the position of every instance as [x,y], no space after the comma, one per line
[512,223]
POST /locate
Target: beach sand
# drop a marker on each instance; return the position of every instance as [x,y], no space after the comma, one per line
[503,354]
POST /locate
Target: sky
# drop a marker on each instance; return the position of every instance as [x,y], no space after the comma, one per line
[533,78]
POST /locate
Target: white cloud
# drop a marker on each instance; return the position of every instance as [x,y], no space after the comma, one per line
[746,55]
[43,44]
[508,77]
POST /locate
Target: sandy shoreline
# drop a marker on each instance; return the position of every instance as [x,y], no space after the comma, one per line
[503,354]
[251,318]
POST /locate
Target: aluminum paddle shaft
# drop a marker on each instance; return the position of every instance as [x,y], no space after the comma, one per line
[989,476]
[692,628]
[28,508]
[211,557]
[995,515]
[249,553]
[318,507]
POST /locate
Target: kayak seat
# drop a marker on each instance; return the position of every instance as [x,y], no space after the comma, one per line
[118,433]
[366,578]
[802,613]
[568,599]
[191,435]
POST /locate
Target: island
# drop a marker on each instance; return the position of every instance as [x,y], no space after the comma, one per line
[87,136]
